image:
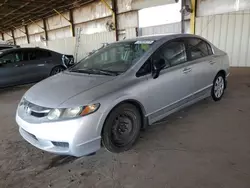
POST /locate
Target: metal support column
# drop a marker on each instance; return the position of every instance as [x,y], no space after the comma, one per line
[2,36]
[114,14]
[192,16]
[183,3]
[27,33]
[71,20]
[114,8]
[13,37]
[45,29]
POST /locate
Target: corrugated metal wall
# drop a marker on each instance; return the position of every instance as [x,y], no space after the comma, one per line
[229,32]
[92,42]
[161,29]
[212,7]
[66,45]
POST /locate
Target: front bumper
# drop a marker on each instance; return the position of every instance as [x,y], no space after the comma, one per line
[76,137]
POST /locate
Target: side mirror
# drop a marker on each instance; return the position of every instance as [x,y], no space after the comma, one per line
[157,67]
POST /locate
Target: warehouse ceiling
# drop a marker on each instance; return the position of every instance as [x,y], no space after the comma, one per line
[16,13]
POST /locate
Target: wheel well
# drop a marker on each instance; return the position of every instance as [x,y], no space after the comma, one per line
[141,110]
[58,66]
[223,73]
[139,107]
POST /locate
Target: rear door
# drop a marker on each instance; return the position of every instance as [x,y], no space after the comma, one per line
[200,55]
[37,63]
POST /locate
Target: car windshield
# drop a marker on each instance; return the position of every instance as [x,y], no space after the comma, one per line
[114,59]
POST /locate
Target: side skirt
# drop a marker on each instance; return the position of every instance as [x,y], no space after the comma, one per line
[152,118]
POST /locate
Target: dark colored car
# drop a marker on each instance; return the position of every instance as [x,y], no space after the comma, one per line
[28,65]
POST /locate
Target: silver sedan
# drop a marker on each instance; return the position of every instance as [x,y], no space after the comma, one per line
[112,94]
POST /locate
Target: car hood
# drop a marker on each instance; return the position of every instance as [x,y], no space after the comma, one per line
[57,89]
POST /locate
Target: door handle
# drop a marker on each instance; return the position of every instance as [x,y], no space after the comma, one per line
[20,65]
[187,70]
[211,62]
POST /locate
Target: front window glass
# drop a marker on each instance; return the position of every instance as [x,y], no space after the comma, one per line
[175,53]
[11,58]
[113,59]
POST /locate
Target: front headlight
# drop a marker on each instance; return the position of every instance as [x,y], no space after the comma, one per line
[54,114]
[67,113]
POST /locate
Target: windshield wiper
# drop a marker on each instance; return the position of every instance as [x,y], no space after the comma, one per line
[108,72]
[82,71]
[97,71]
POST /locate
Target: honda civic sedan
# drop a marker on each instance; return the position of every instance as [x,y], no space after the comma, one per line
[109,96]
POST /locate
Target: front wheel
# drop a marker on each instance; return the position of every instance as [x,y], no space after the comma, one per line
[121,128]
[218,87]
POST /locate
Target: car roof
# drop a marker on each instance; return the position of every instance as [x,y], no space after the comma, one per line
[17,49]
[159,37]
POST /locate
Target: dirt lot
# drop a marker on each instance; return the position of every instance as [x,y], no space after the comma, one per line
[204,146]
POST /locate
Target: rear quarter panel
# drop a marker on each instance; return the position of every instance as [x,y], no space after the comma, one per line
[56,59]
[222,60]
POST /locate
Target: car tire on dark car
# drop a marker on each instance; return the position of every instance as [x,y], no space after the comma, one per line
[121,128]
[57,70]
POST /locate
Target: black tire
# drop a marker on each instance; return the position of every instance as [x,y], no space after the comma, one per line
[57,70]
[220,78]
[121,128]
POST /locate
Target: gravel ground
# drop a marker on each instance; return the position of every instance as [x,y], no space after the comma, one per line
[203,146]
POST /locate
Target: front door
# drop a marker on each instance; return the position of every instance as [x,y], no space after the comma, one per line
[12,69]
[172,88]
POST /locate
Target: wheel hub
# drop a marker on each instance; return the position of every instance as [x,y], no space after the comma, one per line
[122,129]
[124,126]
[219,87]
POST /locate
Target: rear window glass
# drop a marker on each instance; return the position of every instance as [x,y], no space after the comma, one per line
[198,48]
[36,54]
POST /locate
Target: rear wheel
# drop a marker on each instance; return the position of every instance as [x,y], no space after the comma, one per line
[57,70]
[218,87]
[121,128]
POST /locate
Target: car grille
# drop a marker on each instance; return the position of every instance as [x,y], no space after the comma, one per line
[35,110]
[39,115]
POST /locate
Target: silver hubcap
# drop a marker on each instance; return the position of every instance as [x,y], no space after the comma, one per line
[219,87]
